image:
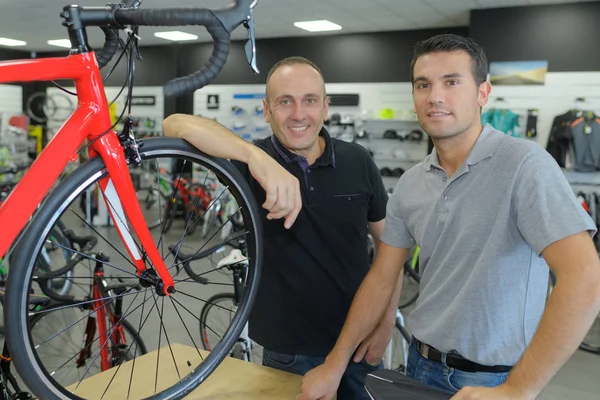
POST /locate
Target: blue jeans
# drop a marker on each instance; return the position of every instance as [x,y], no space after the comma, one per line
[352,385]
[441,376]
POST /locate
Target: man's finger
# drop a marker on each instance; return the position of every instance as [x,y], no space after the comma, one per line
[271,198]
[360,353]
[282,200]
[297,206]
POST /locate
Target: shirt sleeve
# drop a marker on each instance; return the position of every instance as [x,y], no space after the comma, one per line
[395,232]
[545,205]
[378,197]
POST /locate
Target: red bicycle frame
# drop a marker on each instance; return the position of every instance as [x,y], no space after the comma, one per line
[90,121]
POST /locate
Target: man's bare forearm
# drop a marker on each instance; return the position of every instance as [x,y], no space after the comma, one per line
[571,309]
[209,136]
[395,300]
[370,303]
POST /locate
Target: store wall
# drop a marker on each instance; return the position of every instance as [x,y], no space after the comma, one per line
[368,57]
[557,96]
[567,35]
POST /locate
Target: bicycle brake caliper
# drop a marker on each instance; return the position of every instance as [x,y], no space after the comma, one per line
[130,144]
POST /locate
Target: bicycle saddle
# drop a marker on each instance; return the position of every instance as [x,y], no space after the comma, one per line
[235,257]
[387,384]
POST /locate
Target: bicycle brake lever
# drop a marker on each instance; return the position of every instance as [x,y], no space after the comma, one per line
[250,46]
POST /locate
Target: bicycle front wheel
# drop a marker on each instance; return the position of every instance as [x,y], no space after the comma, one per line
[176,363]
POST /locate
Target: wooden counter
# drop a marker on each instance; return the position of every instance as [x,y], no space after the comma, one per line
[232,380]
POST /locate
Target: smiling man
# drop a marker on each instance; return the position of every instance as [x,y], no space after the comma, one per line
[491,214]
[314,260]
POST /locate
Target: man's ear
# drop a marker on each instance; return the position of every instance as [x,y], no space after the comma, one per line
[266,111]
[484,93]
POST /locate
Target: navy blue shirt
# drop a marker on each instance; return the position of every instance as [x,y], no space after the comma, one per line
[311,272]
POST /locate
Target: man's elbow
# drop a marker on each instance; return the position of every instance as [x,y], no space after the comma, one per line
[594,281]
[173,125]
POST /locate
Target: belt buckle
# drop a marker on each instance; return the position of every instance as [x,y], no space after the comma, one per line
[425,351]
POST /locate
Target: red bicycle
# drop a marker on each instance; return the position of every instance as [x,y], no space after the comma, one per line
[38,201]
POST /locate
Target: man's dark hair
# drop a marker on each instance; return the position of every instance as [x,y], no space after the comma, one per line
[293,61]
[450,42]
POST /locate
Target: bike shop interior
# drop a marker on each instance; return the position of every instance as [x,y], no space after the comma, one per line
[544,67]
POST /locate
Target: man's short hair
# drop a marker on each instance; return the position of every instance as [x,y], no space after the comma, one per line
[293,61]
[448,43]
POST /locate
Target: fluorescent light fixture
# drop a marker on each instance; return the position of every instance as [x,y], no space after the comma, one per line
[11,42]
[318,26]
[175,36]
[60,43]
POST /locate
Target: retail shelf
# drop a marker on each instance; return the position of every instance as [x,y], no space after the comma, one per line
[582,178]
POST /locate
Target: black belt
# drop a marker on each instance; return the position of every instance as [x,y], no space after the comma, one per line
[455,361]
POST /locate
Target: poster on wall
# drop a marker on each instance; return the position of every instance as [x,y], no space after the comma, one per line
[518,72]
[212,102]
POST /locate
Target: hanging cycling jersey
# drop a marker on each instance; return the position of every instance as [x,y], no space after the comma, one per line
[504,120]
[585,134]
[531,127]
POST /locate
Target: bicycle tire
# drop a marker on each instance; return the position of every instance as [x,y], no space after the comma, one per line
[65,288]
[17,333]
[206,309]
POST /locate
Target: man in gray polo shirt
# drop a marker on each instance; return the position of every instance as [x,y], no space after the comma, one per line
[491,213]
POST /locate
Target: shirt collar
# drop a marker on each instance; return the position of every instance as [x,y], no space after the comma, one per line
[327,158]
[485,146]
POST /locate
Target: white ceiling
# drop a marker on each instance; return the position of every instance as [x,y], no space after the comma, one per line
[36,21]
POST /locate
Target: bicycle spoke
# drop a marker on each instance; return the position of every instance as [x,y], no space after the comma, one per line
[210,251]
[106,343]
[186,328]
[214,304]
[92,342]
[128,348]
[96,260]
[47,310]
[178,245]
[138,331]
[125,225]
[160,316]
[103,238]
[197,298]
[201,248]
[171,201]
[204,273]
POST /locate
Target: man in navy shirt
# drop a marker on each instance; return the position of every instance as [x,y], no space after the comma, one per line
[331,194]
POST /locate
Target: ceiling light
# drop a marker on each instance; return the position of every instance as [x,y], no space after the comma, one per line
[175,35]
[11,42]
[60,43]
[318,26]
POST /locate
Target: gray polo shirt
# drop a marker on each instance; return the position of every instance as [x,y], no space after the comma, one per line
[481,233]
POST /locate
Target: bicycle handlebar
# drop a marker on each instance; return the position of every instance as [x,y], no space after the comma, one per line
[219,23]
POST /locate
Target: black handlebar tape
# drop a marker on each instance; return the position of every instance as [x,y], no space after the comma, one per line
[180,17]
[111,43]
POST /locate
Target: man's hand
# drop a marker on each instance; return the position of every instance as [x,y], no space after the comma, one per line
[502,392]
[282,188]
[320,383]
[373,347]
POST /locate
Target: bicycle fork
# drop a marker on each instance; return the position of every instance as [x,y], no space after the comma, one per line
[116,186]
